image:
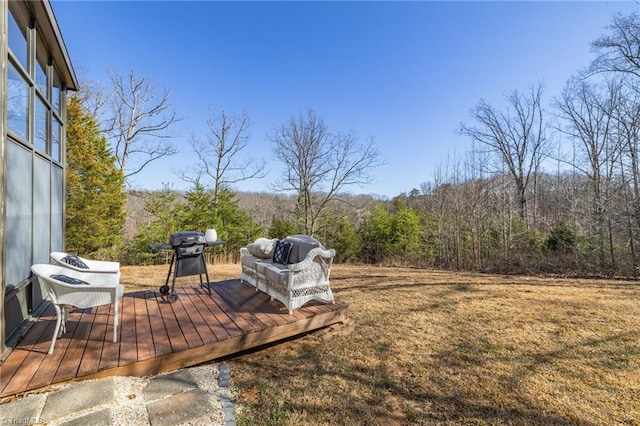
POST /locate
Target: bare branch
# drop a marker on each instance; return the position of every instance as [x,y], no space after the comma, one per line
[319,164]
[517,135]
[139,123]
[219,153]
[619,51]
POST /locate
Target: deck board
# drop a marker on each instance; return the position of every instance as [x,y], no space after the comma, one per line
[144,340]
[49,363]
[221,324]
[156,336]
[13,363]
[256,319]
[243,325]
[93,351]
[255,302]
[197,318]
[128,350]
[68,367]
[110,354]
[189,330]
[161,343]
[176,338]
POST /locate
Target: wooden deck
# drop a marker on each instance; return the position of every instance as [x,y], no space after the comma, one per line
[157,336]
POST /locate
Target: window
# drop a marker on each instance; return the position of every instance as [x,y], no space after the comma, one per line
[42,209]
[35,92]
[41,67]
[33,142]
[56,91]
[41,125]
[18,40]
[17,103]
[55,140]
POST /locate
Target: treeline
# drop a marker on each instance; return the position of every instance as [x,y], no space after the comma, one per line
[458,221]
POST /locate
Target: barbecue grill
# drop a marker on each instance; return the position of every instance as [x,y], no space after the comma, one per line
[187,259]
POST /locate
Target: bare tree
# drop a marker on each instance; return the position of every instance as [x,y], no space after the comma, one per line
[139,123]
[517,135]
[588,113]
[618,55]
[619,50]
[219,153]
[318,164]
[627,118]
[92,96]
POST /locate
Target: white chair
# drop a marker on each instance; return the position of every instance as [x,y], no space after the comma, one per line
[85,265]
[69,288]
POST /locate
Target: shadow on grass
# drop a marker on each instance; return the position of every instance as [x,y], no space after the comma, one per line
[366,383]
[379,282]
[376,385]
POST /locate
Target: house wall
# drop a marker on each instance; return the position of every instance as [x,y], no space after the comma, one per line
[36,74]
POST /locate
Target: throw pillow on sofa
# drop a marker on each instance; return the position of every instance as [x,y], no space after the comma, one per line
[262,248]
[281,252]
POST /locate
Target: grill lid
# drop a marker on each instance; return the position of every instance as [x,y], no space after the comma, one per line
[186,238]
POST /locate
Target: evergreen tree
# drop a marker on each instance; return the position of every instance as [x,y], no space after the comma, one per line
[376,234]
[407,235]
[236,226]
[280,228]
[95,199]
[198,212]
[343,237]
[162,208]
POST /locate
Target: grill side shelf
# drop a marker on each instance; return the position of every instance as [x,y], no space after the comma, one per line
[155,247]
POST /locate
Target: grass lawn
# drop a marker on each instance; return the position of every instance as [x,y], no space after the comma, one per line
[425,347]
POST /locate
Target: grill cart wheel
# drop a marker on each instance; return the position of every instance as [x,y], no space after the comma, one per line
[164,289]
[172,297]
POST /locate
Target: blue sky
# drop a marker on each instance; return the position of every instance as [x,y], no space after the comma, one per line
[403,73]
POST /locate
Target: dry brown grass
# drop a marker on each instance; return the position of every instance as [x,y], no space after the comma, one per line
[433,347]
[152,277]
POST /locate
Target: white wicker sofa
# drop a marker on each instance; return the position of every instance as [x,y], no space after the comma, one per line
[295,277]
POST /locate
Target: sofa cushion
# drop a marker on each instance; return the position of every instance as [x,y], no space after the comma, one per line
[249,261]
[302,245]
[261,265]
[276,273]
[262,248]
[281,252]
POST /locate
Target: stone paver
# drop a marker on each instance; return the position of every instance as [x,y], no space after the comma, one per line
[22,411]
[167,384]
[228,411]
[74,399]
[179,408]
[224,372]
[99,418]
